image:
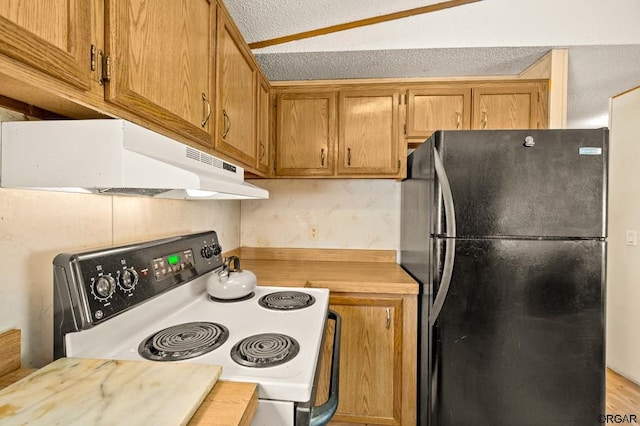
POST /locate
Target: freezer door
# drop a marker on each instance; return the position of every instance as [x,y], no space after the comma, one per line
[527,182]
[520,338]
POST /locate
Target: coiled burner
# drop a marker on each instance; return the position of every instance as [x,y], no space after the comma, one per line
[265,350]
[286,300]
[183,341]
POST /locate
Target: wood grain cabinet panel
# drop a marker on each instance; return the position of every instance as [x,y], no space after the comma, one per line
[161,55]
[369,133]
[263,147]
[50,36]
[508,106]
[236,94]
[378,360]
[437,108]
[306,128]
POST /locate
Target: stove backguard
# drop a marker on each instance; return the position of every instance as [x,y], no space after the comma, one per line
[94,286]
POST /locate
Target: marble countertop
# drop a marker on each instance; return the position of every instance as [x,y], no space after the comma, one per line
[72,391]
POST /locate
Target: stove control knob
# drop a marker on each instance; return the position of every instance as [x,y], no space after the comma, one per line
[207,252]
[128,279]
[216,249]
[104,287]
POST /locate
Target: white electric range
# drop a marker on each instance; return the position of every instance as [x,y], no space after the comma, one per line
[148,301]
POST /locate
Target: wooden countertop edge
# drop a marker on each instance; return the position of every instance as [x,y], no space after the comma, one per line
[365,287]
[344,286]
[15,375]
[228,404]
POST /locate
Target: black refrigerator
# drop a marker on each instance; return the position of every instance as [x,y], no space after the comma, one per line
[506,232]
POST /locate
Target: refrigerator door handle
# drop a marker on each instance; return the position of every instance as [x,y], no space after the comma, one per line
[450,242]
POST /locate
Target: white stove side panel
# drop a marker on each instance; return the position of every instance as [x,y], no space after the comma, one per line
[272,413]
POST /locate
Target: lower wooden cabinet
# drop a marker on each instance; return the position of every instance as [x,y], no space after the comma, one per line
[378,359]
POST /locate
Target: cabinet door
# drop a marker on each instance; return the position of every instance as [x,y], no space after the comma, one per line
[437,108]
[506,106]
[161,56]
[305,134]
[370,360]
[50,36]
[263,145]
[369,133]
[236,100]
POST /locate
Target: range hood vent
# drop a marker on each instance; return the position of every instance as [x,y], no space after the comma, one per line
[114,157]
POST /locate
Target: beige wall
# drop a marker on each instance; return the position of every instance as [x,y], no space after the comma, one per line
[37,225]
[350,213]
[623,294]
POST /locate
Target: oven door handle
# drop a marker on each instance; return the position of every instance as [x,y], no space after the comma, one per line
[321,414]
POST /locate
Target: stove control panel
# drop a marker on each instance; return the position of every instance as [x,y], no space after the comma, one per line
[209,251]
[114,280]
[172,264]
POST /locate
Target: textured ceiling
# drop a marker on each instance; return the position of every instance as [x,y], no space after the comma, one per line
[490,37]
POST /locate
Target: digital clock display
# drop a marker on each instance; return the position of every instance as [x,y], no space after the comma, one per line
[172,264]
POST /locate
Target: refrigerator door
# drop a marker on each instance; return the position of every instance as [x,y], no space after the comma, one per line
[520,338]
[529,183]
[417,217]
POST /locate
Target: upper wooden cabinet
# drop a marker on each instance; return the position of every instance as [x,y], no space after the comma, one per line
[305,133]
[364,123]
[505,105]
[235,93]
[161,62]
[437,107]
[263,154]
[50,36]
[369,134]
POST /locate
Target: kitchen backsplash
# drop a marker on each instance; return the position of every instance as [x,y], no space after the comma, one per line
[347,214]
[37,225]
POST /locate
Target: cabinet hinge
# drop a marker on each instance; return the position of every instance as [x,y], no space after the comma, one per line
[399,164]
[275,102]
[94,53]
[106,68]
[405,128]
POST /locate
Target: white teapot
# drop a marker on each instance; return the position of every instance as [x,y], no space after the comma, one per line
[231,282]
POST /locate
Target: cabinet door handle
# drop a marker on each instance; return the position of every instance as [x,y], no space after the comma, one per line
[458,120]
[484,120]
[348,156]
[207,107]
[227,123]
[322,157]
[388,318]
[261,150]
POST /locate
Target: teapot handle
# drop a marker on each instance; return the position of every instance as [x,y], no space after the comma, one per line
[236,264]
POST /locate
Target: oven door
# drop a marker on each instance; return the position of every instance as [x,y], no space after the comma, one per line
[312,415]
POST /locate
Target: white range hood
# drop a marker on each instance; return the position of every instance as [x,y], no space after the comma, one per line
[114,157]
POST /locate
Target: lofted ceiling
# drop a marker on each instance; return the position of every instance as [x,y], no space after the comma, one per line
[481,38]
